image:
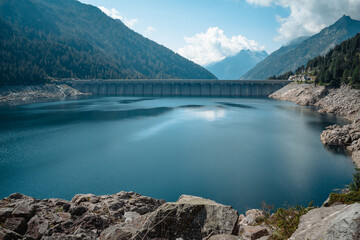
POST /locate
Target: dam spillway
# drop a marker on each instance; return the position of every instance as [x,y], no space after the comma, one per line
[186,88]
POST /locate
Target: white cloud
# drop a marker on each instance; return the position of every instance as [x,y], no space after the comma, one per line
[150,29]
[260,2]
[214,45]
[308,17]
[115,14]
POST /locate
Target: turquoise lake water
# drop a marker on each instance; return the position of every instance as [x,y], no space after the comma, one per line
[237,151]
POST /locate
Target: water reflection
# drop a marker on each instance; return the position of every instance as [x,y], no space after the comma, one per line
[235,105]
[128,101]
[35,119]
[207,115]
[154,130]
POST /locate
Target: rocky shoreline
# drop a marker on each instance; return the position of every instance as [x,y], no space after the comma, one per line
[23,94]
[343,101]
[128,215]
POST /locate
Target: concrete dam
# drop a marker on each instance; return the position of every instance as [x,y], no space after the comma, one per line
[188,88]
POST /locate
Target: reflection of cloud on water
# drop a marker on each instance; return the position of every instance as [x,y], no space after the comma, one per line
[156,129]
[179,116]
[207,115]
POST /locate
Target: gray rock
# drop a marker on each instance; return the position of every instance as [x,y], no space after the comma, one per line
[130,216]
[21,94]
[91,222]
[189,218]
[16,224]
[330,223]
[119,232]
[303,94]
[24,209]
[79,198]
[17,196]
[6,234]
[252,217]
[77,211]
[68,237]
[5,213]
[254,232]
[224,237]
[36,227]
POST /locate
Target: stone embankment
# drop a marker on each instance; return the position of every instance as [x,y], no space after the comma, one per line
[127,215]
[24,94]
[343,101]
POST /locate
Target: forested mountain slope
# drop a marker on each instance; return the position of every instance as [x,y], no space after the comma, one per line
[42,39]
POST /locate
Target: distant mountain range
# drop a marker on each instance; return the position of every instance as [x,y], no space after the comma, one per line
[41,39]
[298,53]
[232,68]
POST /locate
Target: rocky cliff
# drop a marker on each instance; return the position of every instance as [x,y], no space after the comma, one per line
[342,101]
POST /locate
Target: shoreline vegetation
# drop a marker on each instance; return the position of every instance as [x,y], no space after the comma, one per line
[128,215]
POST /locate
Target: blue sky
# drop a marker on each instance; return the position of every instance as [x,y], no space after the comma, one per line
[207,31]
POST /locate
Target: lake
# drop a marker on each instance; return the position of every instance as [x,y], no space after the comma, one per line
[236,151]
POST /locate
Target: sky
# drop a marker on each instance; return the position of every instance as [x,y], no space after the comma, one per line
[207,31]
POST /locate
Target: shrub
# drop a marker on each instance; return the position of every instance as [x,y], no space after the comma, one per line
[344,198]
[355,185]
[286,220]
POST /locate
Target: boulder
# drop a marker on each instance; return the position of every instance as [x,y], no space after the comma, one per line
[6,234]
[16,224]
[335,222]
[5,213]
[119,232]
[24,209]
[36,227]
[254,232]
[336,136]
[79,198]
[91,222]
[77,211]
[253,216]
[17,196]
[189,218]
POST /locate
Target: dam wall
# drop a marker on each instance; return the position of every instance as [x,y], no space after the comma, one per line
[188,88]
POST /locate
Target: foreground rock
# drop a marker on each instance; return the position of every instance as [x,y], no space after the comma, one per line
[84,217]
[21,94]
[126,215]
[189,218]
[343,101]
[336,222]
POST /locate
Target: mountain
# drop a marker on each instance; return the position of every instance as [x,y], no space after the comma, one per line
[290,57]
[41,39]
[232,68]
[340,66]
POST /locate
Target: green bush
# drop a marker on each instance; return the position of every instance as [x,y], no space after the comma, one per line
[344,198]
[285,221]
[355,185]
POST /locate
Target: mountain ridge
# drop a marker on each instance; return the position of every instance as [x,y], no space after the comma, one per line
[289,58]
[232,68]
